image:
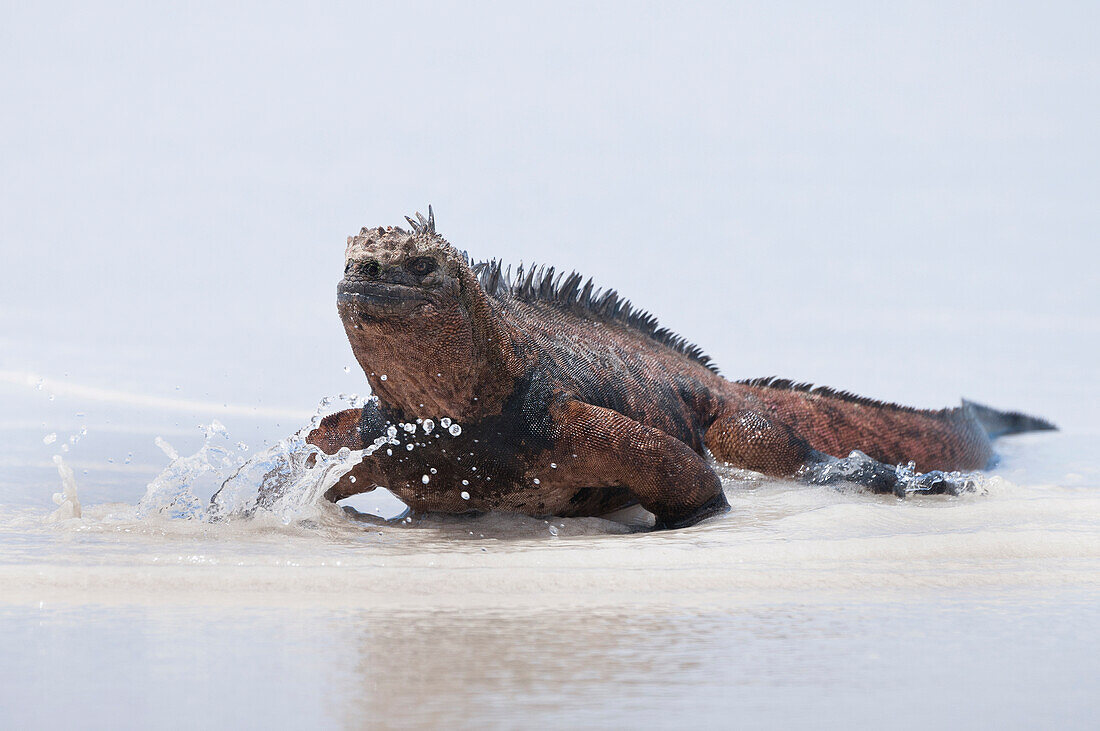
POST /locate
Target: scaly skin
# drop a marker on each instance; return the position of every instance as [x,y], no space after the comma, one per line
[571,403]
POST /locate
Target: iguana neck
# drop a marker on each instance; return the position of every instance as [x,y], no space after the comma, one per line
[462,368]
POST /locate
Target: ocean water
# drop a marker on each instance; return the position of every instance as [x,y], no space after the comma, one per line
[899,201]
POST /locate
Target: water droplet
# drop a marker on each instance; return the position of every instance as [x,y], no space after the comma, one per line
[465,482]
[433,470]
[383,376]
[410,427]
[553,465]
[389,452]
[553,530]
[428,426]
[50,438]
[347,369]
[409,447]
[454,429]
[536,481]
[425,479]
[445,422]
[391,431]
[351,478]
[465,495]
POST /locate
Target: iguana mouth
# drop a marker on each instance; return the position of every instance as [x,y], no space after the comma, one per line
[363,297]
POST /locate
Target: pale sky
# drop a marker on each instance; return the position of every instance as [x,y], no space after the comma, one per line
[899,201]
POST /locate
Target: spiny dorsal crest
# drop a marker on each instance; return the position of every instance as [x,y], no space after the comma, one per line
[545,284]
[776,383]
[423,225]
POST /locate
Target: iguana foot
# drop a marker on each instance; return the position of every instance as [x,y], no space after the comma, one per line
[407,517]
[716,506]
[942,483]
[857,469]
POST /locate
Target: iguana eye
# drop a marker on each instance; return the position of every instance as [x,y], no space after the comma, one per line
[370,269]
[421,265]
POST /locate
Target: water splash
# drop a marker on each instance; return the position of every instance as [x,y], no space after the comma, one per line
[172,493]
[218,484]
[285,480]
[67,501]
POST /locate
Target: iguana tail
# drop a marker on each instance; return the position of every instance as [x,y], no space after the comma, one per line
[837,422]
[999,423]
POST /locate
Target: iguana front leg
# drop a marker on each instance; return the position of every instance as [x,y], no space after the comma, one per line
[344,429]
[669,479]
[756,442]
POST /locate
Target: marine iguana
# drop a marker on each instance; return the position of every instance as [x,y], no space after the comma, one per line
[540,394]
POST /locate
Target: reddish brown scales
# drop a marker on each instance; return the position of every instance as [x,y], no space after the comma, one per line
[836,424]
[573,403]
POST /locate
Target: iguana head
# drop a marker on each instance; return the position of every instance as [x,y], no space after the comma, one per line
[416,317]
